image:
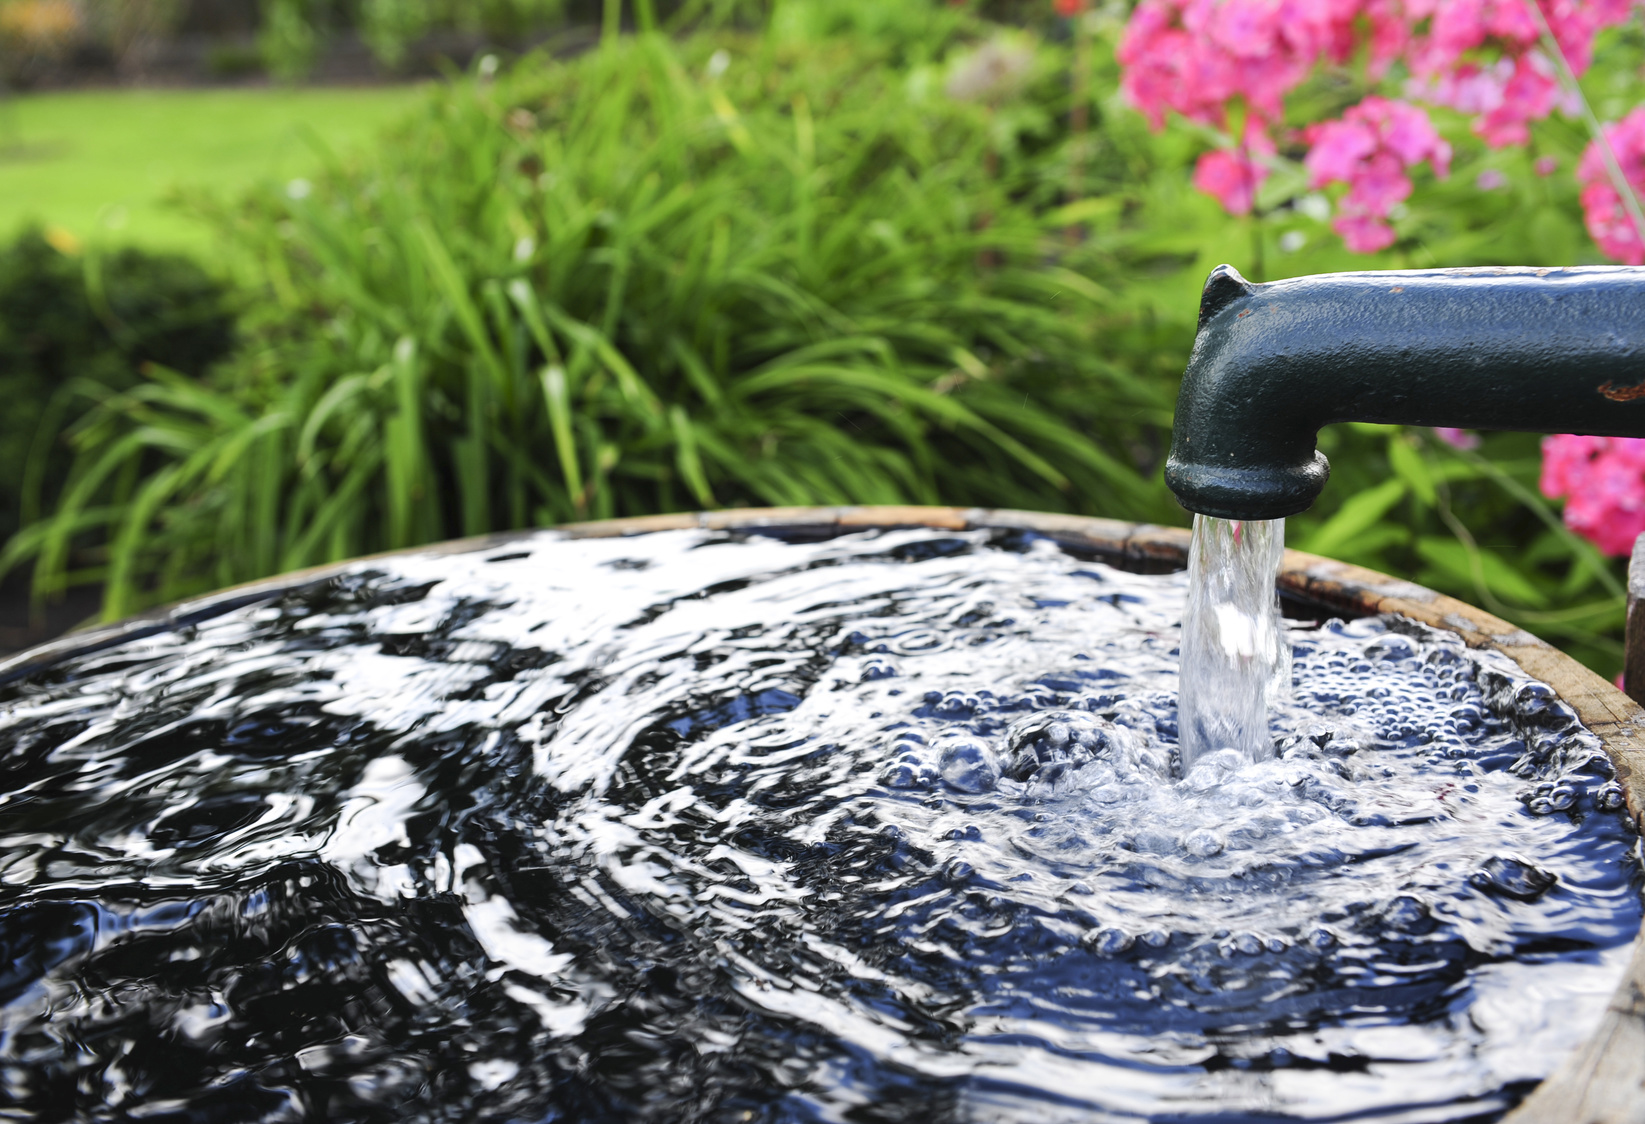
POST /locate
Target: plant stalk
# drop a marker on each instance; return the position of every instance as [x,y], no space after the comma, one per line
[1613,167]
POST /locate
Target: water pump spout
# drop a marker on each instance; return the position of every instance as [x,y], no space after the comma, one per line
[1543,350]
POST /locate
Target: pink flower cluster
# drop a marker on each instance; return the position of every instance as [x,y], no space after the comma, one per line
[1484,57]
[1457,438]
[1608,220]
[1604,480]
[1195,56]
[1369,149]
[1199,58]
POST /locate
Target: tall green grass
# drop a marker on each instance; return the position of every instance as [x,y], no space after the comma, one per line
[655,278]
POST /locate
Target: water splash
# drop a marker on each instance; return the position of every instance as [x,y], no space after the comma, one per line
[1235,661]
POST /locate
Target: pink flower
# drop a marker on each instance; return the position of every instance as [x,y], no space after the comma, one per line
[1369,149]
[1232,176]
[1339,148]
[1457,438]
[1490,179]
[1603,480]
[1530,94]
[1546,165]
[1157,57]
[1363,234]
[1520,84]
[1466,88]
[1515,83]
[1607,218]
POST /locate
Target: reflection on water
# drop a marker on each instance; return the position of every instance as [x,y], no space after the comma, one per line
[693,827]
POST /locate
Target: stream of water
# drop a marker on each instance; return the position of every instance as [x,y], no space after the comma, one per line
[1236,662]
[710,827]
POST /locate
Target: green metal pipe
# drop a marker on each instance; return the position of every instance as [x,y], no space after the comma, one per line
[1543,350]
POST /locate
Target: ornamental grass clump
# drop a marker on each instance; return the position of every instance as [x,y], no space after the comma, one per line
[655,278]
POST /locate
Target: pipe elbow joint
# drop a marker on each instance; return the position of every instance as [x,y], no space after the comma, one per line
[1241,448]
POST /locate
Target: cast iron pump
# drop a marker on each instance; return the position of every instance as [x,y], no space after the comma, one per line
[1544,350]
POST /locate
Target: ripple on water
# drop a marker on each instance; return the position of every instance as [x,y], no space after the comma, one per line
[703,827]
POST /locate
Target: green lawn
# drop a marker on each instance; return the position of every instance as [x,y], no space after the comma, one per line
[100,163]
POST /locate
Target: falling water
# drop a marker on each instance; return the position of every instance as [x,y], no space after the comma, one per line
[1234,657]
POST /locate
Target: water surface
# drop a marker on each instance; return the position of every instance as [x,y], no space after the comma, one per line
[700,827]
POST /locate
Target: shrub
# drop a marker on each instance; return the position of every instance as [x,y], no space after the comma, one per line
[294,32]
[76,326]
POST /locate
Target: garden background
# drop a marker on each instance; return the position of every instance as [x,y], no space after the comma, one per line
[545,262]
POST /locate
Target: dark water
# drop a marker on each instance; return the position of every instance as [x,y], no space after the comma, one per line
[685,828]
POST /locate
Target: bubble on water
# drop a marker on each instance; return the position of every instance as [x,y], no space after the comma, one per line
[1513,877]
[1059,740]
[1213,769]
[1109,942]
[1154,841]
[1202,843]
[878,669]
[1408,914]
[1392,647]
[910,772]
[968,764]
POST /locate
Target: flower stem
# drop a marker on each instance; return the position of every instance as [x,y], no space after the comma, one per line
[1567,78]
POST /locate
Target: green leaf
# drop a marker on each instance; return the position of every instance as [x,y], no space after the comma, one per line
[1459,563]
[1410,466]
[1359,513]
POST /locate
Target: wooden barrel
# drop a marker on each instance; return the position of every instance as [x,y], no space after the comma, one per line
[1603,1082]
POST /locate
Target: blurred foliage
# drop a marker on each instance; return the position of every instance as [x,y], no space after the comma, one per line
[74,326]
[38,34]
[34,34]
[294,32]
[853,256]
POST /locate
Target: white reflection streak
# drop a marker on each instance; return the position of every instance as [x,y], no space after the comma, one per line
[375,817]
